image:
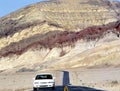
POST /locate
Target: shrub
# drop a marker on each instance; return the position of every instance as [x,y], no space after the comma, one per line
[115,82]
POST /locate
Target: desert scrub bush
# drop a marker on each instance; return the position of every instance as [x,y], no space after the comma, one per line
[114,82]
[25,70]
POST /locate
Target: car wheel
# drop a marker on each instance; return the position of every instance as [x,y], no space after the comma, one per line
[34,89]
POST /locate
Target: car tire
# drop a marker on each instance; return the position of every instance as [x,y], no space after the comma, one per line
[34,89]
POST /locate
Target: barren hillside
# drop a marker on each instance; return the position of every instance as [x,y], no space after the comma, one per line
[59,34]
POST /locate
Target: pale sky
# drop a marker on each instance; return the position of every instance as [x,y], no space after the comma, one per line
[8,6]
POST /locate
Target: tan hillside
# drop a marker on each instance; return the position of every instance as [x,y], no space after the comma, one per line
[61,34]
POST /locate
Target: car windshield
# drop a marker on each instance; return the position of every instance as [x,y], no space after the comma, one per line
[45,76]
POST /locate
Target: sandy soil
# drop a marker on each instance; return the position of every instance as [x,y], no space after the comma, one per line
[98,78]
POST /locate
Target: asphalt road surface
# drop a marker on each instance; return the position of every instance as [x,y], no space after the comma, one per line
[65,81]
[70,88]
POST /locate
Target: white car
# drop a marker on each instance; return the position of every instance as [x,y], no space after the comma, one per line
[44,80]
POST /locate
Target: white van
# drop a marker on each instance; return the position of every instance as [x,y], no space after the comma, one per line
[44,80]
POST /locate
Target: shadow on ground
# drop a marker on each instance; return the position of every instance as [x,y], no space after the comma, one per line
[66,82]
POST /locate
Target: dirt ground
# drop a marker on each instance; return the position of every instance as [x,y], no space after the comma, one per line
[99,78]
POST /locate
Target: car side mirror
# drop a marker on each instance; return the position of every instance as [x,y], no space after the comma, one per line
[54,77]
[33,78]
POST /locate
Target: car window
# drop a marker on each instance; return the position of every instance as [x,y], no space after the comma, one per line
[43,77]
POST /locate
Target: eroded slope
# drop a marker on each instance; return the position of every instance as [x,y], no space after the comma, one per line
[51,32]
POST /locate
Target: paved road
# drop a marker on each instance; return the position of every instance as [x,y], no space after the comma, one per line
[70,88]
[65,80]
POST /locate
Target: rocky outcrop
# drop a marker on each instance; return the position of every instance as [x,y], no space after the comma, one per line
[51,32]
[61,38]
[72,14]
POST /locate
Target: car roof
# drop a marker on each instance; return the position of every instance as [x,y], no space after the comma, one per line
[45,74]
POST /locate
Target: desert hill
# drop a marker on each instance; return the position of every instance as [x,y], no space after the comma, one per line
[59,34]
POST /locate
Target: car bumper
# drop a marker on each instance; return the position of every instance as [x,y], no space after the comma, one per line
[43,85]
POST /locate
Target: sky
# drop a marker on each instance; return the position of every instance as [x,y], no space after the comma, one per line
[8,6]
